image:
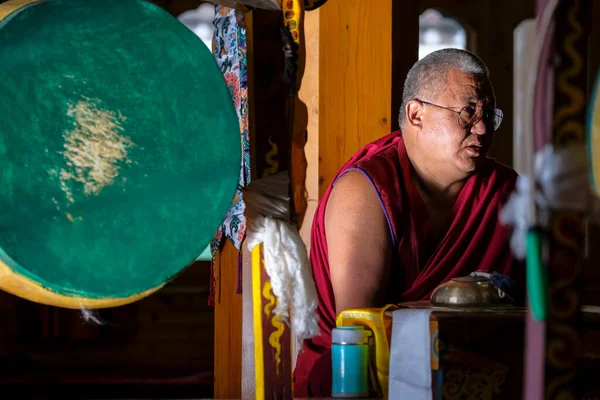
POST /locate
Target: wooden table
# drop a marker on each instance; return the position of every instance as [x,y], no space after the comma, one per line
[479,353]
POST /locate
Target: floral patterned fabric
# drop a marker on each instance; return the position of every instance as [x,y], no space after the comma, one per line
[229,49]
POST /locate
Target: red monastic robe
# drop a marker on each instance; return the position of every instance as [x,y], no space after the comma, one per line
[475,241]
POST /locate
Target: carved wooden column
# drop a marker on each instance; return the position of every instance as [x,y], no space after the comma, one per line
[270,153]
[567,229]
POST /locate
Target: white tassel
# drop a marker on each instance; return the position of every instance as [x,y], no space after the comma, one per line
[561,182]
[288,267]
[90,316]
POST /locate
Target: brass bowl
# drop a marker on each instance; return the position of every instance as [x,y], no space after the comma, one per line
[468,291]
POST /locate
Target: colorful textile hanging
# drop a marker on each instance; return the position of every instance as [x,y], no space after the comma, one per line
[229,49]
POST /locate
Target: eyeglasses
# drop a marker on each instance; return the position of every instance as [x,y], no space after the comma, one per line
[470,115]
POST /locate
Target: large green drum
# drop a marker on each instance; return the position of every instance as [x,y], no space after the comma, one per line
[593,136]
[119,150]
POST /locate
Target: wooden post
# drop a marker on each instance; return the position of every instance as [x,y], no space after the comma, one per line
[365,50]
[228,325]
[567,228]
[272,337]
[270,153]
[309,97]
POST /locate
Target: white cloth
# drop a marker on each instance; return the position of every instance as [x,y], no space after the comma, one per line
[286,258]
[287,264]
[562,183]
[410,356]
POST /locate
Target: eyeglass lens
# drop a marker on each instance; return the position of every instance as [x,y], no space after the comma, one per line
[470,116]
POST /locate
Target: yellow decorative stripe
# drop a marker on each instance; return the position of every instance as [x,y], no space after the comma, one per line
[573,92]
[554,387]
[28,289]
[11,6]
[561,232]
[259,367]
[293,14]
[275,341]
[273,164]
[275,337]
[266,292]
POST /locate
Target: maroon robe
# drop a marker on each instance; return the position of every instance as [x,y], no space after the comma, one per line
[475,241]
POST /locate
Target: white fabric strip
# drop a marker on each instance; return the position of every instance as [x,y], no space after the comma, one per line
[562,183]
[286,258]
[410,356]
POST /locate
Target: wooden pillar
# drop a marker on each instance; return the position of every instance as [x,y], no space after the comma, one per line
[365,50]
[270,146]
[567,228]
[228,325]
[309,96]
[358,53]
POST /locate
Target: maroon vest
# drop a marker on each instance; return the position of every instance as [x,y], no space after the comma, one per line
[474,241]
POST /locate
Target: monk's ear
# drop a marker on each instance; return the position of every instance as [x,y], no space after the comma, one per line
[414,114]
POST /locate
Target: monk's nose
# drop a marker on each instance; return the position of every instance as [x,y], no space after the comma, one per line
[480,127]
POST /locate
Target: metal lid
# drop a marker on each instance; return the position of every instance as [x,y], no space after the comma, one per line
[350,335]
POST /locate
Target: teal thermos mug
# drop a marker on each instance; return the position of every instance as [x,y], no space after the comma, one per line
[350,361]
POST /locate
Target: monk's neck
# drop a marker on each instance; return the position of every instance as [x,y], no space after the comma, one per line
[438,188]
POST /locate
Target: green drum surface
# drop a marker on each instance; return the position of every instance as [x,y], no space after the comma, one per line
[119,146]
[593,136]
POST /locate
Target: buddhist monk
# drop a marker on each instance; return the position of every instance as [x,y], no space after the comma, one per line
[413,209]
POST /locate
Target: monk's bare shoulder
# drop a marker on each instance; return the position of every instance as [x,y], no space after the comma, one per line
[355,202]
[358,241]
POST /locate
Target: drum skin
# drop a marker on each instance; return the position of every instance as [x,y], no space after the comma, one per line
[120,150]
[593,136]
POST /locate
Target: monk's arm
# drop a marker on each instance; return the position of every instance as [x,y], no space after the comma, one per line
[358,243]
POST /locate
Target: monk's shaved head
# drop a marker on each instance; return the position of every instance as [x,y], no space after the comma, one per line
[428,77]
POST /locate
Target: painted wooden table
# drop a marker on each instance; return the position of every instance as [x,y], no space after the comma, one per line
[479,353]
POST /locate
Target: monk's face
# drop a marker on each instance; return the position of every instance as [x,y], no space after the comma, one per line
[456,147]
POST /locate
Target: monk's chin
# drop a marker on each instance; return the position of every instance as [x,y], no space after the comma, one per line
[471,165]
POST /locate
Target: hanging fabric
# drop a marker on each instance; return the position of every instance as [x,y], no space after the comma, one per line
[229,50]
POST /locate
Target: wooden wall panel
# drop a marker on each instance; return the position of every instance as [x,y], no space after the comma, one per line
[355,79]
[405,50]
[228,325]
[309,95]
